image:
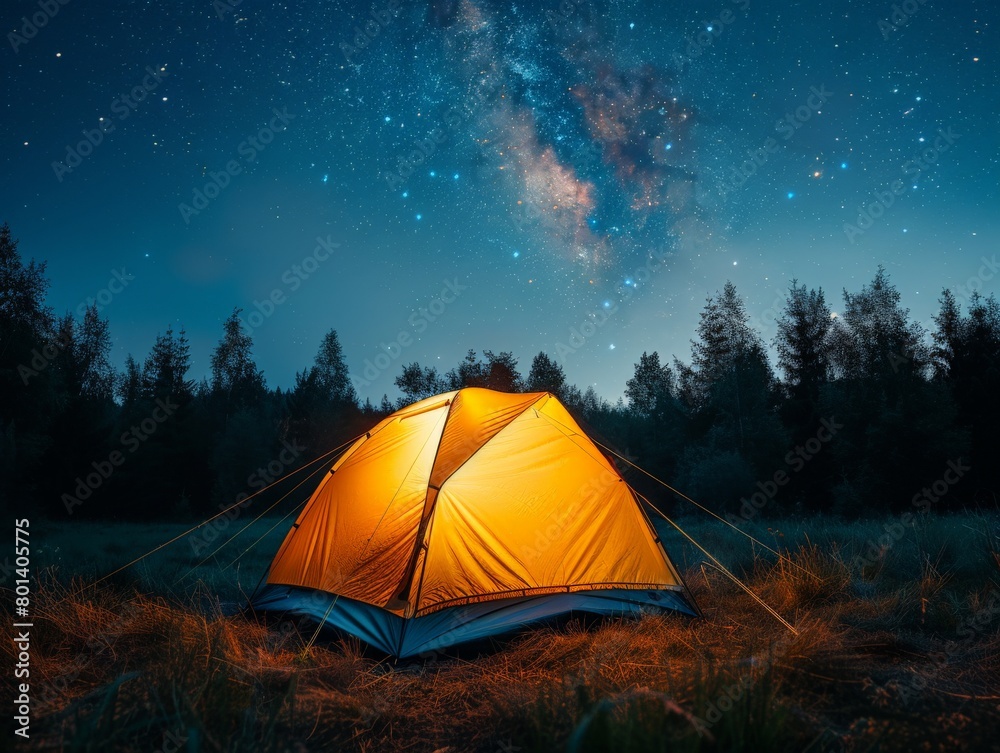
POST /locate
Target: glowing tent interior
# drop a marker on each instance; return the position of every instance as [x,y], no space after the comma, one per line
[464,516]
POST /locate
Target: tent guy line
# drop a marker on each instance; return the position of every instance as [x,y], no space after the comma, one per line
[265,534]
[683,496]
[718,517]
[721,567]
[180,536]
[219,548]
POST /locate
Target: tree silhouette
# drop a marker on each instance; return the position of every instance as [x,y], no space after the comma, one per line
[323,403]
[874,338]
[500,372]
[899,428]
[235,376]
[650,387]
[904,405]
[546,376]
[164,373]
[417,383]
[22,291]
[471,372]
[730,393]
[801,342]
[331,373]
[29,393]
[967,362]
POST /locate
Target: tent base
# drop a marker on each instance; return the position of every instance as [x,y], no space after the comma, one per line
[450,627]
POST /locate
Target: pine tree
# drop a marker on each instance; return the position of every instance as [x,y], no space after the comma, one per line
[235,376]
[730,393]
[592,403]
[166,366]
[331,373]
[650,386]
[85,360]
[896,424]
[726,343]
[386,407]
[967,362]
[129,387]
[22,291]
[874,338]
[801,342]
[546,376]
[948,336]
[30,395]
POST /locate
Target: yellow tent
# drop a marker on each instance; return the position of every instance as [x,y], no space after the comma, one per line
[466,515]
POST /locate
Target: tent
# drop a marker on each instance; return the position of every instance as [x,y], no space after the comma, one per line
[467,515]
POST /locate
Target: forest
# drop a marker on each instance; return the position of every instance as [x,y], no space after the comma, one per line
[863,412]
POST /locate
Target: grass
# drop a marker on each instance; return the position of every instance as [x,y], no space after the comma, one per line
[897,649]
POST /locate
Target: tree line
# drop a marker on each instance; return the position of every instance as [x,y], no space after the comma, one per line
[863,412]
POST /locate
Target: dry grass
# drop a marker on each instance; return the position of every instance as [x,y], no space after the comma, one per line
[902,655]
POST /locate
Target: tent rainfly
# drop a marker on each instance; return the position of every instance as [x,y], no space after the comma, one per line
[464,516]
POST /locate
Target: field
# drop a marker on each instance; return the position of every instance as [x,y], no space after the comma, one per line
[897,650]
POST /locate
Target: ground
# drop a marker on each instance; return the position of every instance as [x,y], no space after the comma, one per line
[896,651]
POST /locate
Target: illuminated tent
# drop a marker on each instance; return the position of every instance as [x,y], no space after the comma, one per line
[467,515]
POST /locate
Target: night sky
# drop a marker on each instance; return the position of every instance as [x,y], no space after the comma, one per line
[560,166]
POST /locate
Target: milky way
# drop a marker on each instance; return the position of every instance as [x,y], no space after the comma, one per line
[568,163]
[590,143]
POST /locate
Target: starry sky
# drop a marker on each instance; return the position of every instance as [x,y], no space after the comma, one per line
[569,177]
